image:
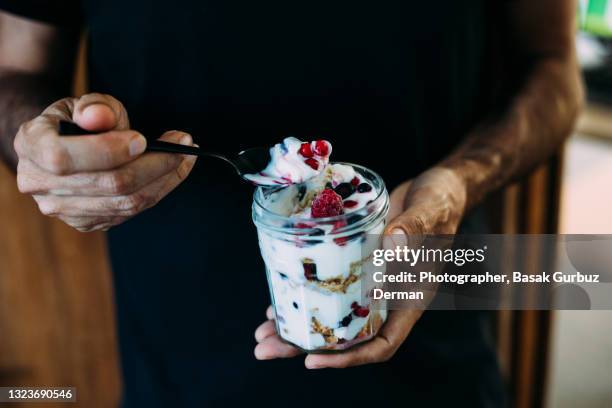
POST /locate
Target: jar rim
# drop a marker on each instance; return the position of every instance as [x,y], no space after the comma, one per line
[382,191]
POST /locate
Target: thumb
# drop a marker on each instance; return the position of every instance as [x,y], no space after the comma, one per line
[407,229]
[100,113]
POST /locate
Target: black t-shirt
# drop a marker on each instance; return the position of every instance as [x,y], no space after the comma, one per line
[394,85]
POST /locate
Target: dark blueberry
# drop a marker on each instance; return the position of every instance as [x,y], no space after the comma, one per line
[346,320]
[328,185]
[316,232]
[282,275]
[345,190]
[311,242]
[310,270]
[295,305]
[364,188]
[301,192]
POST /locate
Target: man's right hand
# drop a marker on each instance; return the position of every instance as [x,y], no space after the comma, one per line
[94,182]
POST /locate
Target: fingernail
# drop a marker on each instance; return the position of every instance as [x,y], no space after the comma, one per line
[398,236]
[138,145]
[186,140]
[310,365]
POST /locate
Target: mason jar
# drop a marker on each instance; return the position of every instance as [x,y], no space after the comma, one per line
[316,267]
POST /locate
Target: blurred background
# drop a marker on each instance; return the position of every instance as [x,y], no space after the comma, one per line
[581,341]
[57,324]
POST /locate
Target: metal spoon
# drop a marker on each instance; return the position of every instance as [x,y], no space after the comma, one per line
[249,161]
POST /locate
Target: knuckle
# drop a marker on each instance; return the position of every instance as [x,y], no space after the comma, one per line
[24,184]
[170,161]
[119,183]
[56,160]
[134,203]
[416,224]
[62,107]
[48,207]
[18,142]
[182,171]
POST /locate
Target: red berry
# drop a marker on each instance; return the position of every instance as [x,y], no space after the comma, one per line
[360,311]
[303,225]
[312,163]
[327,204]
[350,204]
[355,181]
[321,148]
[305,150]
[341,241]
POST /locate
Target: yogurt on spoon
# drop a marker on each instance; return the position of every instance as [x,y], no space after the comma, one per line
[293,162]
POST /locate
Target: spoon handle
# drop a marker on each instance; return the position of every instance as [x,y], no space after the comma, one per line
[72,129]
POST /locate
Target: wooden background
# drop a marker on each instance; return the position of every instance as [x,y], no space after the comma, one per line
[57,322]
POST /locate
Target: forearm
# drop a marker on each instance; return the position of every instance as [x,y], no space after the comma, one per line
[22,97]
[535,124]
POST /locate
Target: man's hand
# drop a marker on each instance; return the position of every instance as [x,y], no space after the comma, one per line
[94,182]
[433,203]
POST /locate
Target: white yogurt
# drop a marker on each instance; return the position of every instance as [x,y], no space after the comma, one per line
[290,165]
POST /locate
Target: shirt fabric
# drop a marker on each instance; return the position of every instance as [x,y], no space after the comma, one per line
[393,85]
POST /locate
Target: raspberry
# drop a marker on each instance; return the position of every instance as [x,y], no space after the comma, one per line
[326,204]
[355,181]
[312,163]
[321,148]
[305,150]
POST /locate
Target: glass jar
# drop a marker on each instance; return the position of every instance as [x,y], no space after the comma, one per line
[315,269]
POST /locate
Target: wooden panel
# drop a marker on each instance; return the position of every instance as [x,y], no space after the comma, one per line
[56,311]
[529,207]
